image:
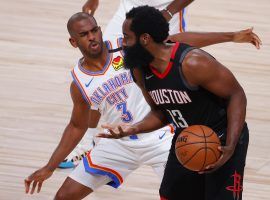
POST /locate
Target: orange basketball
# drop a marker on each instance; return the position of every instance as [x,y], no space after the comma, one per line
[196,147]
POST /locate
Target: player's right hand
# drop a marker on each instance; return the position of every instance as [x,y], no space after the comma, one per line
[37,178]
[116,132]
[90,6]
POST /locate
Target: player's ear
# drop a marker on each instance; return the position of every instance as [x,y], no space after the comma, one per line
[145,39]
[73,42]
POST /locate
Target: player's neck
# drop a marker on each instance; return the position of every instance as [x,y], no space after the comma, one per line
[162,55]
[97,63]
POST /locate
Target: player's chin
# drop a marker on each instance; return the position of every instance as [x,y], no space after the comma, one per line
[95,52]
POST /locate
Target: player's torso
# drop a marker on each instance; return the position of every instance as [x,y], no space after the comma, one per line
[112,91]
[183,104]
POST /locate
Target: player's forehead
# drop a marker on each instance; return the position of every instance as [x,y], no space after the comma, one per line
[85,24]
[126,27]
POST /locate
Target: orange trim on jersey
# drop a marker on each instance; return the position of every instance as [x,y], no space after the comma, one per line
[90,163]
[81,87]
[181,21]
[165,73]
[171,128]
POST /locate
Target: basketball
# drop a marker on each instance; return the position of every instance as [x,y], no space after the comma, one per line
[196,147]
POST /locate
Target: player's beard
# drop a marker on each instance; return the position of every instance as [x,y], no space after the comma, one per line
[137,56]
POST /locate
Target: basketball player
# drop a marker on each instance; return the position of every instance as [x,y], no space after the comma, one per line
[102,86]
[114,30]
[186,86]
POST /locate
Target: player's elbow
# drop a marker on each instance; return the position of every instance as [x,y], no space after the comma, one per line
[241,97]
[77,127]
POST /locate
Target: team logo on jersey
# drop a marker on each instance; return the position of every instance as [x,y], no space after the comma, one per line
[118,63]
[237,187]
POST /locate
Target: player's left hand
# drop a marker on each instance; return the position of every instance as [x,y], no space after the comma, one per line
[247,36]
[226,154]
[116,132]
[37,178]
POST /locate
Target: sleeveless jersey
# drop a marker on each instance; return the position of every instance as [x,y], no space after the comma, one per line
[182,104]
[112,90]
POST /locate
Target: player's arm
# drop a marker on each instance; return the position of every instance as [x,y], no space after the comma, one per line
[174,7]
[155,119]
[203,39]
[93,119]
[90,6]
[71,136]
[200,69]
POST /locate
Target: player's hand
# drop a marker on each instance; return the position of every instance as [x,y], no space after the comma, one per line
[116,132]
[37,178]
[90,6]
[247,36]
[226,154]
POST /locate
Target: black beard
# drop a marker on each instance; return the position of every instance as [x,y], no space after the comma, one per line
[137,57]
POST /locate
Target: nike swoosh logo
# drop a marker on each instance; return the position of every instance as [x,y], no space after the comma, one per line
[87,84]
[162,136]
[148,77]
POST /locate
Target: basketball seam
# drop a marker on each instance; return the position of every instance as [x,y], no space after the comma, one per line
[205,148]
[211,149]
[196,143]
[198,135]
[194,154]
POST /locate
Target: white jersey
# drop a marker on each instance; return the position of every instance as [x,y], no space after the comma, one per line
[114,27]
[112,91]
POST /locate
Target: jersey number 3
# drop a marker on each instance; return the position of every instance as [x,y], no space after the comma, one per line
[178,119]
[126,115]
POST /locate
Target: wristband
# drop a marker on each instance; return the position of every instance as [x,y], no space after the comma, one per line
[169,12]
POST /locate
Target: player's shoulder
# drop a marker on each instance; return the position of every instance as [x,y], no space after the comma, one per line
[115,43]
[196,59]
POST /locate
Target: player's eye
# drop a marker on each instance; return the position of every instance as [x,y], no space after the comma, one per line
[83,34]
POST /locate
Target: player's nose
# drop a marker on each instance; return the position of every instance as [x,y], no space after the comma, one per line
[91,36]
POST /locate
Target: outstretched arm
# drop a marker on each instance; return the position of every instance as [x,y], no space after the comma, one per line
[70,138]
[198,39]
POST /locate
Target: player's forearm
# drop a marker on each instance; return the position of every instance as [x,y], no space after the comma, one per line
[178,5]
[198,39]
[71,137]
[236,112]
[153,120]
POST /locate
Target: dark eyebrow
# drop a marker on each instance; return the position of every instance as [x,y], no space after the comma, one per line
[84,32]
[94,28]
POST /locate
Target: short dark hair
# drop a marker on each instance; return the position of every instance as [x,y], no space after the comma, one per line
[146,19]
[77,17]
